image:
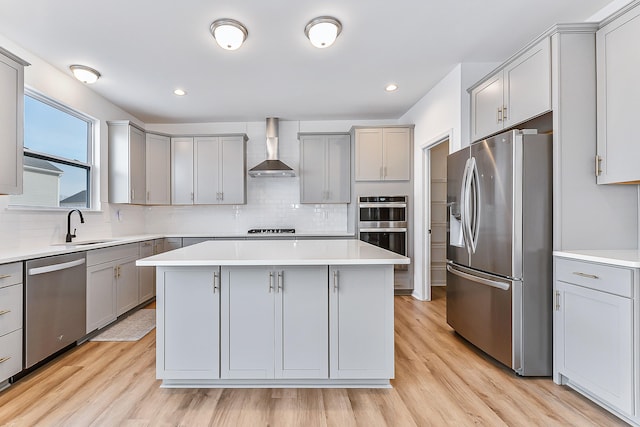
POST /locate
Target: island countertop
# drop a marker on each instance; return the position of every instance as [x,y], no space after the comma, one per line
[276,252]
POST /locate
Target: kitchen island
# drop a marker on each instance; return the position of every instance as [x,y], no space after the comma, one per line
[275,313]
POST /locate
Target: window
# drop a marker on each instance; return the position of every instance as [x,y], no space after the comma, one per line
[57,155]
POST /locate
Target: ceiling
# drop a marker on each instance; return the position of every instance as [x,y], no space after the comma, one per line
[147,48]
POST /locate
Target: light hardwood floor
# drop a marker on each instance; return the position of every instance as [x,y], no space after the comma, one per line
[440,380]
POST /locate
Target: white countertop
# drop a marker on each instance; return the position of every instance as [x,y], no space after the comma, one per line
[276,252]
[337,234]
[621,257]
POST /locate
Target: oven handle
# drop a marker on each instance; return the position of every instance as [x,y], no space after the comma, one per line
[382,205]
[383,230]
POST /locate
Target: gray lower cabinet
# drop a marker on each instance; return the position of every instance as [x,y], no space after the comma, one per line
[10,321]
[325,168]
[146,275]
[361,322]
[188,335]
[274,322]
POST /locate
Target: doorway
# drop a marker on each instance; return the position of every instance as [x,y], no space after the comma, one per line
[435,215]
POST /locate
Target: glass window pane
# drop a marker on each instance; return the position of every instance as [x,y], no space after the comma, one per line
[52,184]
[52,131]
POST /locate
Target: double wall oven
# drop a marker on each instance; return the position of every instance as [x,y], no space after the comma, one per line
[382,221]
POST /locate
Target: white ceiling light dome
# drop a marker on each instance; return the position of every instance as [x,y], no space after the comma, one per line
[323,31]
[229,33]
[85,74]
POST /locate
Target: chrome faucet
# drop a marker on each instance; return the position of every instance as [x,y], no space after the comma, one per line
[69,235]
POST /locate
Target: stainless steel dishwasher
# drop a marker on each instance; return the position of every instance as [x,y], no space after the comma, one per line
[55,304]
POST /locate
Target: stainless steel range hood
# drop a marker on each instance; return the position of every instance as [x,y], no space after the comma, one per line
[272,167]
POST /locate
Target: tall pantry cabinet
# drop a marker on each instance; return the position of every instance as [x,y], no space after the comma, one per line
[11,122]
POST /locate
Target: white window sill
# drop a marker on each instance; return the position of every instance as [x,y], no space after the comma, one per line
[18,208]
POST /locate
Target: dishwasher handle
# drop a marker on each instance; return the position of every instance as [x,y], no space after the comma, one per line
[55,267]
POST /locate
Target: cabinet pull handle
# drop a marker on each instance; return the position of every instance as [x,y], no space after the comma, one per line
[115,271]
[588,276]
[499,115]
[504,112]
[270,281]
[216,281]
[4,312]
[133,194]
[280,280]
[4,359]
[222,195]
[335,281]
[557,300]
[598,165]
[4,276]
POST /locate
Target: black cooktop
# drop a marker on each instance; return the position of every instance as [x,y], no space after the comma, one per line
[272,231]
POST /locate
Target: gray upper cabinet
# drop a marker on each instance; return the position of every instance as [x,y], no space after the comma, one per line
[127,177]
[11,122]
[521,90]
[325,168]
[383,154]
[208,170]
[157,160]
[618,100]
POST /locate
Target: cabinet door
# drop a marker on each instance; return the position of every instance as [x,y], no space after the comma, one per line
[137,174]
[301,319]
[182,171]
[593,343]
[618,62]
[206,158]
[338,169]
[158,165]
[368,154]
[126,286]
[527,85]
[101,295]
[146,275]
[247,319]
[397,154]
[188,323]
[313,167]
[233,176]
[11,125]
[486,107]
[361,321]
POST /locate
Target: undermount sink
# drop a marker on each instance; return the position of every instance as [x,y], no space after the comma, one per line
[83,243]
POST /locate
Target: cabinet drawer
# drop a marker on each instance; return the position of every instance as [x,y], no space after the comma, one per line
[10,354]
[10,274]
[601,277]
[10,309]
[100,256]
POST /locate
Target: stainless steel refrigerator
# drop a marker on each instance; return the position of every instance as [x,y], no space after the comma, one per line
[499,266]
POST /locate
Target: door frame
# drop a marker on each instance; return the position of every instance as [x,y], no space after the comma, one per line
[422,288]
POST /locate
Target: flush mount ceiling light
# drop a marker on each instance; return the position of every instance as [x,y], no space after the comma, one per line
[391,87]
[323,31]
[229,33]
[85,74]
[180,92]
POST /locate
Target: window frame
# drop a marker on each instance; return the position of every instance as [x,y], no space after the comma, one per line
[88,166]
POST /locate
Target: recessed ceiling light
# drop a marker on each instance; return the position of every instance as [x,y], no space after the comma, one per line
[229,33]
[391,87]
[85,74]
[179,92]
[323,31]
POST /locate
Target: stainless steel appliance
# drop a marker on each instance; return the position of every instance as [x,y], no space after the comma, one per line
[55,304]
[499,268]
[383,222]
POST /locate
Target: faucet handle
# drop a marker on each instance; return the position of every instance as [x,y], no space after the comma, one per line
[74,232]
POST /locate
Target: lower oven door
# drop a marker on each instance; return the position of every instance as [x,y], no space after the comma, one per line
[392,239]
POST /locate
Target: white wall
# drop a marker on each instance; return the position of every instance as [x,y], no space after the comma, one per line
[443,112]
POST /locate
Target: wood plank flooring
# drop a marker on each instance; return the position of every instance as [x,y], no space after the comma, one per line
[440,380]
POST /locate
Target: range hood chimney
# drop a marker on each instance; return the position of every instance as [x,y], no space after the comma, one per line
[272,167]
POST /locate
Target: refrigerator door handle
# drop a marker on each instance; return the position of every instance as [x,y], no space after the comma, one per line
[463,205]
[475,218]
[483,281]
[466,203]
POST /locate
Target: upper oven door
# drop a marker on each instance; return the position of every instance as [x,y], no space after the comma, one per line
[383,214]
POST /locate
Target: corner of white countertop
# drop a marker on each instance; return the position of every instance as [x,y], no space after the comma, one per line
[618,257]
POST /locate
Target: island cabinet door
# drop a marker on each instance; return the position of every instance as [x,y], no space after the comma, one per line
[361,322]
[188,314]
[247,320]
[302,322]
